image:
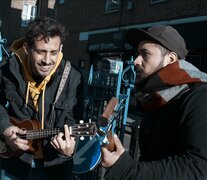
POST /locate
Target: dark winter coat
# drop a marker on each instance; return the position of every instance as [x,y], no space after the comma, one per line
[12,103]
[173,142]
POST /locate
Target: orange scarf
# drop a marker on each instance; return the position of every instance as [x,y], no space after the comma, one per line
[170,81]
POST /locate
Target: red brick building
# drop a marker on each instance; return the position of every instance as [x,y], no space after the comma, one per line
[96,28]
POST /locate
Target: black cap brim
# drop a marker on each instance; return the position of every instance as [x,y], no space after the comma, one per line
[135,36]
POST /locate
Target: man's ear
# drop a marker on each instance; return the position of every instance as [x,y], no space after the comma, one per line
[25,47]
[173,57]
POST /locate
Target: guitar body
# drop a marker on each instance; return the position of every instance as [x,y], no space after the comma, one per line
[87,156]
[88,153]
[34,144]
[28,125]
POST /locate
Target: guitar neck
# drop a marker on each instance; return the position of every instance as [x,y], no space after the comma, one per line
[86,129]
[40,134]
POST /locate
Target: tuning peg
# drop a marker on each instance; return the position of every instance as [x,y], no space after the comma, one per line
[81,121]
[82,138]
[89,120]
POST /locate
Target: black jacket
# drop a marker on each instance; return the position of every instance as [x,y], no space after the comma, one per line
[173,142]
[12,103]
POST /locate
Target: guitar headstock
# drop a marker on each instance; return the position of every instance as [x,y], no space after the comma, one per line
[85,129]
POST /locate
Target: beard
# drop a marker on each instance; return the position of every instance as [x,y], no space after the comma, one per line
[140,74]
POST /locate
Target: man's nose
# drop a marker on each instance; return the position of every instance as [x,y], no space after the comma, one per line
[138,61]
[47,57]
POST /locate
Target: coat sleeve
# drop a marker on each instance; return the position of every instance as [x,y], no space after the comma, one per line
[191,164]
[4,117]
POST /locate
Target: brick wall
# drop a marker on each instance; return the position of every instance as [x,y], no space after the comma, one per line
[89,15]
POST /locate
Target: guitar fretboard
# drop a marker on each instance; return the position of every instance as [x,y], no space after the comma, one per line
[39,134]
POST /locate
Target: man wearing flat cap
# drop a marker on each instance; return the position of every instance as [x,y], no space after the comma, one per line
[173,96]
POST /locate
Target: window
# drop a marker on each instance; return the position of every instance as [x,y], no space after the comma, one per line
[112,5]
[29,12]
[157,1]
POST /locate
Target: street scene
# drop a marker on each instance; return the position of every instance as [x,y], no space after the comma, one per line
[103,90]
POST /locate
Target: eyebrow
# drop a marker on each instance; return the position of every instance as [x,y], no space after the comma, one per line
[44,50]
[143,50]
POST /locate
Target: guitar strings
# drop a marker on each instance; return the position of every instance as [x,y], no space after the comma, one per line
[81,129]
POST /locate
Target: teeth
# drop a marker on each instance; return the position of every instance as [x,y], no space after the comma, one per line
[45,67]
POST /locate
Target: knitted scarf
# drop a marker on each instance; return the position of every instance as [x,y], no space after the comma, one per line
[167,83]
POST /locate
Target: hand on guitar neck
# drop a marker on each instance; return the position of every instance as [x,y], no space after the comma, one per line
[110,157]
[16,140]
[114,149]
[111,145]
[107,119]
[64,143]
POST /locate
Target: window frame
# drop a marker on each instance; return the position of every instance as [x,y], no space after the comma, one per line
[109,6]
[157,1]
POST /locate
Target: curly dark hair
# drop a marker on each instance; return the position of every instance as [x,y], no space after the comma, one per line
[45,28]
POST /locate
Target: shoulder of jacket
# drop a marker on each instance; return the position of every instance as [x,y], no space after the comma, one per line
[196,91]
[75,70]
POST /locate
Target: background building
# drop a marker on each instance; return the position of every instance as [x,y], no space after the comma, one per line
[97,28]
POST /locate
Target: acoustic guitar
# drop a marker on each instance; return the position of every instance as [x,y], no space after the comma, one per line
[88,153]
[34,134]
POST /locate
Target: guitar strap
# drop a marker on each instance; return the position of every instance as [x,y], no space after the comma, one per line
[65,75]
